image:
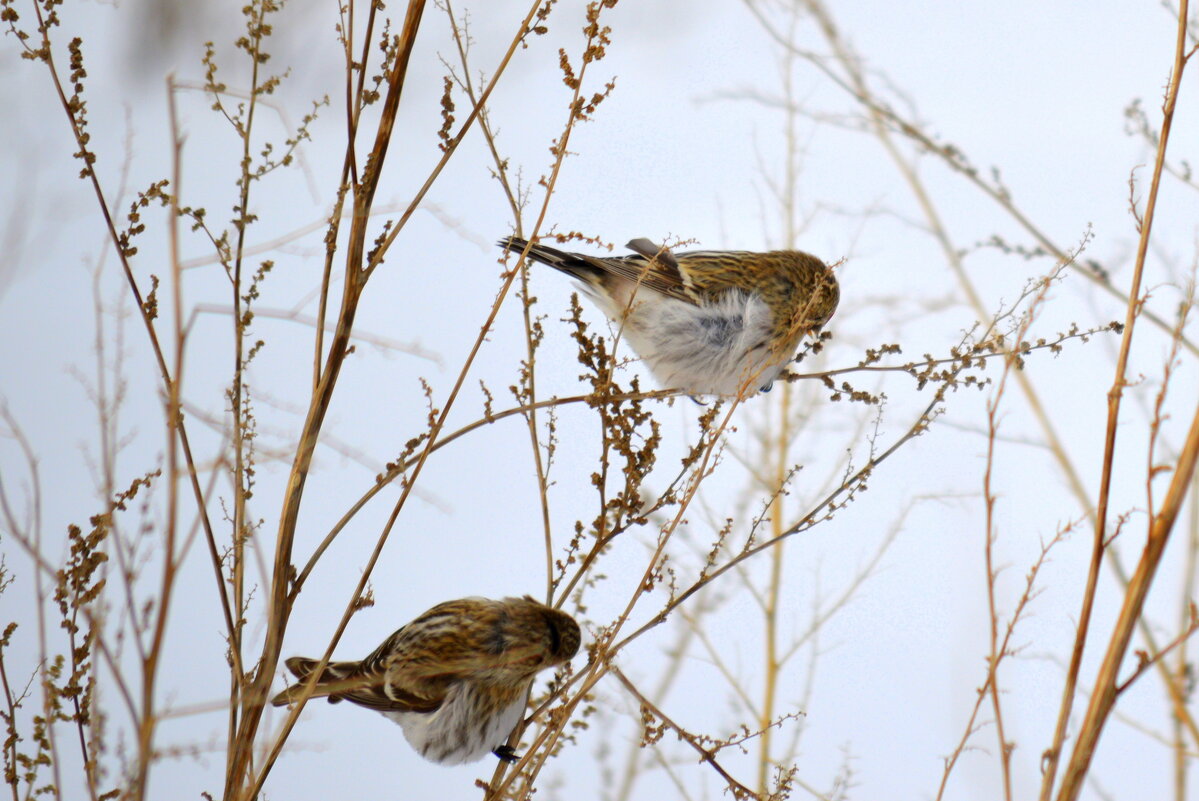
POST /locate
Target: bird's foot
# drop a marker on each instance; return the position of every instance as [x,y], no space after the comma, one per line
[506,753]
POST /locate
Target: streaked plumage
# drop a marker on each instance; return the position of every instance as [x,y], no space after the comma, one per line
[706,322]
[454,678]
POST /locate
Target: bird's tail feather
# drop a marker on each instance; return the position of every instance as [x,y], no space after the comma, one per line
[570,263]
[334,679]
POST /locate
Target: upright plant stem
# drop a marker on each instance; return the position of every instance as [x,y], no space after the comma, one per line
[148,722]
[1103,696]
[279,606]
[770,610]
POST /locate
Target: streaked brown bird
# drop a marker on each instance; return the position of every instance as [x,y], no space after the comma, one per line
[707,322]
[456,678]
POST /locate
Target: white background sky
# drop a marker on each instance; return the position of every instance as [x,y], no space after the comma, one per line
[1036,89]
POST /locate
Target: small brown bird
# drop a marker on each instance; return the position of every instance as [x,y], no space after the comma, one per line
[456,678]
[707,322]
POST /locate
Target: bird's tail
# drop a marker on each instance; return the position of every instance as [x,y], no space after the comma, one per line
[574,264]
[337,677]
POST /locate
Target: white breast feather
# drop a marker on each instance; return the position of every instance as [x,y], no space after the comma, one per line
[455,733]
[711,349]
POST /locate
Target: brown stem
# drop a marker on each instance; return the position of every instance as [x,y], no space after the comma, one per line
[148,721]
[1103,698]
[1104,695]
[706,755]
[238,677]
[279,606]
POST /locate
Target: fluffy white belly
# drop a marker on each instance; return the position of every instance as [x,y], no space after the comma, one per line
[463,729]
[713,349]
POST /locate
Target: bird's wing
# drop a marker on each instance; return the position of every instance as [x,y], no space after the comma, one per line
[417,665]
[645,247]
[654,267]
[391,699]
[708,273]
[359,683]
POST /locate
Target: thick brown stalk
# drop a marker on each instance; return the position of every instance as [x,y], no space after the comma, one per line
[1104,695]
[279,605]
[1107,686]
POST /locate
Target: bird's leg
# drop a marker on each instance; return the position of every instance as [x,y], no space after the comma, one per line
[506,753]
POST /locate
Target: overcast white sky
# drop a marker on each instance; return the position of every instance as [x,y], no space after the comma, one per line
[1036,89]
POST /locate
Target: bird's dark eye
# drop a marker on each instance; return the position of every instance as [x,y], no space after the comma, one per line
[555,638]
